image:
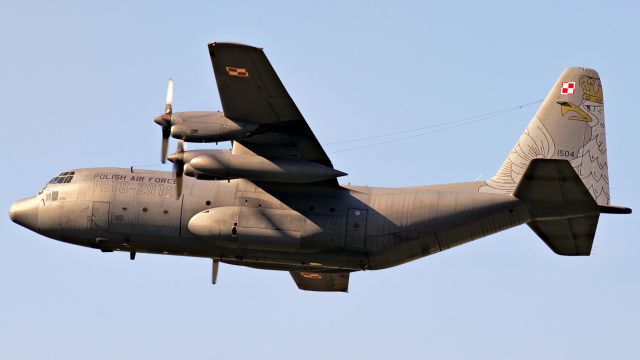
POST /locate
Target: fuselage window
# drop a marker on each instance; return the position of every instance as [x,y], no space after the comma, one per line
[54,195]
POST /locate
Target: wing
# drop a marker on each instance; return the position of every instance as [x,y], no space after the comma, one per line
[251,92]
[313,281]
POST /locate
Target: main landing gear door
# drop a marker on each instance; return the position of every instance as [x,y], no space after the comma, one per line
[356,229]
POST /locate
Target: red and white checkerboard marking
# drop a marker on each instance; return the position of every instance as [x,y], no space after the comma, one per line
[568,88]
[234,71]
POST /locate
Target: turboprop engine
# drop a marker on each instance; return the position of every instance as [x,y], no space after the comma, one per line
[223,164]
[197,126]
[207,126]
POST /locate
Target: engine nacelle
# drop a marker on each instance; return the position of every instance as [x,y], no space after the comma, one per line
[222,164]
[190,171]
[207,126]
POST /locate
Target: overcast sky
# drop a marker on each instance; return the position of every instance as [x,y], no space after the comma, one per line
[83,80]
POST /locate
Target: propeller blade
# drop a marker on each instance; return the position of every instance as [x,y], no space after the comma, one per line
[178,187]
[180,148]
[165,148]
[164,121]
[178,166]
[168,108]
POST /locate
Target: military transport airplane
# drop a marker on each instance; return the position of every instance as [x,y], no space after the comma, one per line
[273,201]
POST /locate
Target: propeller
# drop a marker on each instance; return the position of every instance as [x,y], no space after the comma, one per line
[164,120]
[178,166]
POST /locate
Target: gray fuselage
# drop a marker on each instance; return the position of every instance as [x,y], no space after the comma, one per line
[285,227]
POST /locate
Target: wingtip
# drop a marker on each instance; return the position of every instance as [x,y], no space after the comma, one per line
[225,43]
[340,173]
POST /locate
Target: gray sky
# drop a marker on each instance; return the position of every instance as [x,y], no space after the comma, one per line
[82,81]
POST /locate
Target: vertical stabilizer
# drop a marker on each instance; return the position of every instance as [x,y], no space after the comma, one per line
[569,125]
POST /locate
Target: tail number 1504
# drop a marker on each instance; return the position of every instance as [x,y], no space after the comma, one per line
[566,153]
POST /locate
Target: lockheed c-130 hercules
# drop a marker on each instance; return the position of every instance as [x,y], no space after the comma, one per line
[273,201]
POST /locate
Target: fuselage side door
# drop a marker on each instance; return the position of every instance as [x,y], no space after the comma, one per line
[356,229]
[100,216]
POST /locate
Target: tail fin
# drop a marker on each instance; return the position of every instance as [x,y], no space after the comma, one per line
[569,125]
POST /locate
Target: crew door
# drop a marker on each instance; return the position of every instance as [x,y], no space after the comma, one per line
[356,228]
[100,216]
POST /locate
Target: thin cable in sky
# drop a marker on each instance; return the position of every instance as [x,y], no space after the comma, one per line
[453,123]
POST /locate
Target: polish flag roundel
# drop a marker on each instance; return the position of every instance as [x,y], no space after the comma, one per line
[568,88]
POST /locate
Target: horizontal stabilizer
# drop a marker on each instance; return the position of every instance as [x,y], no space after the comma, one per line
[564,213]
[554,190]
[610,209]
[572,237]
[314,281]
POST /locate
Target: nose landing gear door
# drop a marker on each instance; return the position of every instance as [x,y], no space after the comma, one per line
[100,216]
[356,228]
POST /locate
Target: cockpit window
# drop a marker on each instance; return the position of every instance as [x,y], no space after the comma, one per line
[63,178]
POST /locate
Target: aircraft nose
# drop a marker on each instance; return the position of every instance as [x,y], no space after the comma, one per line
[25,212]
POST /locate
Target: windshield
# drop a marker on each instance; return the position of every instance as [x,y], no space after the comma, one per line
[63,178]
